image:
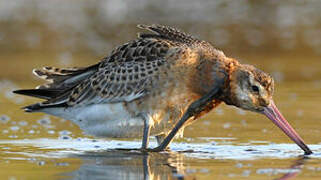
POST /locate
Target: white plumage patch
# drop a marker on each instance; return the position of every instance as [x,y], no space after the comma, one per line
[104,120]
[110,120]
[132,96]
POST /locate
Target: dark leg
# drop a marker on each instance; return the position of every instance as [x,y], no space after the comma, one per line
[147,125]
[160,138]
[195,108]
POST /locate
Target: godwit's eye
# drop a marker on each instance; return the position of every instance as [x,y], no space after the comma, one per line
[255,89]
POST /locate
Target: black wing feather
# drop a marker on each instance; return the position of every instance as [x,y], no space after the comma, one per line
[40,93]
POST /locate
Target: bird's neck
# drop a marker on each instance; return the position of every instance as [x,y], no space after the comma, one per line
[230,67]
[210,73]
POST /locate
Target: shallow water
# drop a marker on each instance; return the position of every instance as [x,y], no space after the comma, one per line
[97,159]
[281,37]
[226,144]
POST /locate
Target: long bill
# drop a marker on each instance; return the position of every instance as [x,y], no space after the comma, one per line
[276,117]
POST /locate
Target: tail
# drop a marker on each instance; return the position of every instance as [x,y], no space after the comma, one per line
[39,93]
[60,78]
[57,91]
[32,108]
[40,106]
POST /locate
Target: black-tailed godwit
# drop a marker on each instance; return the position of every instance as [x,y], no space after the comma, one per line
[155,85]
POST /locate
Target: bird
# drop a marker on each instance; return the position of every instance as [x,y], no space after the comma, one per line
[155,85]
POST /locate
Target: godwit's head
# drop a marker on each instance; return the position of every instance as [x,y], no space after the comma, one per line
[252,89]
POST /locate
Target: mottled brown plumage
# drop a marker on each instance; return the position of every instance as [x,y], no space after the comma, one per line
[147,85]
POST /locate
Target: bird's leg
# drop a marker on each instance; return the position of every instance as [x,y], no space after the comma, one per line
[195,108]
[147,126]
[160,138]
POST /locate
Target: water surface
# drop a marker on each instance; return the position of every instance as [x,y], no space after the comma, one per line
[226,144]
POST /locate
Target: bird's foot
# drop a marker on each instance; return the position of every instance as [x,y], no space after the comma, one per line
[160,149]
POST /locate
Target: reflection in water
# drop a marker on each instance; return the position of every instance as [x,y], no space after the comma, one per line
[94,159]
[130,165]
[137,165]
[295,169]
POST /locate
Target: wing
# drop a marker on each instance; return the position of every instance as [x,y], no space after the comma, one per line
[121,82]
[133,69]
[129,73]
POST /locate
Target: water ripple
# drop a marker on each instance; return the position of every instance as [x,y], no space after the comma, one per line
[63,147]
